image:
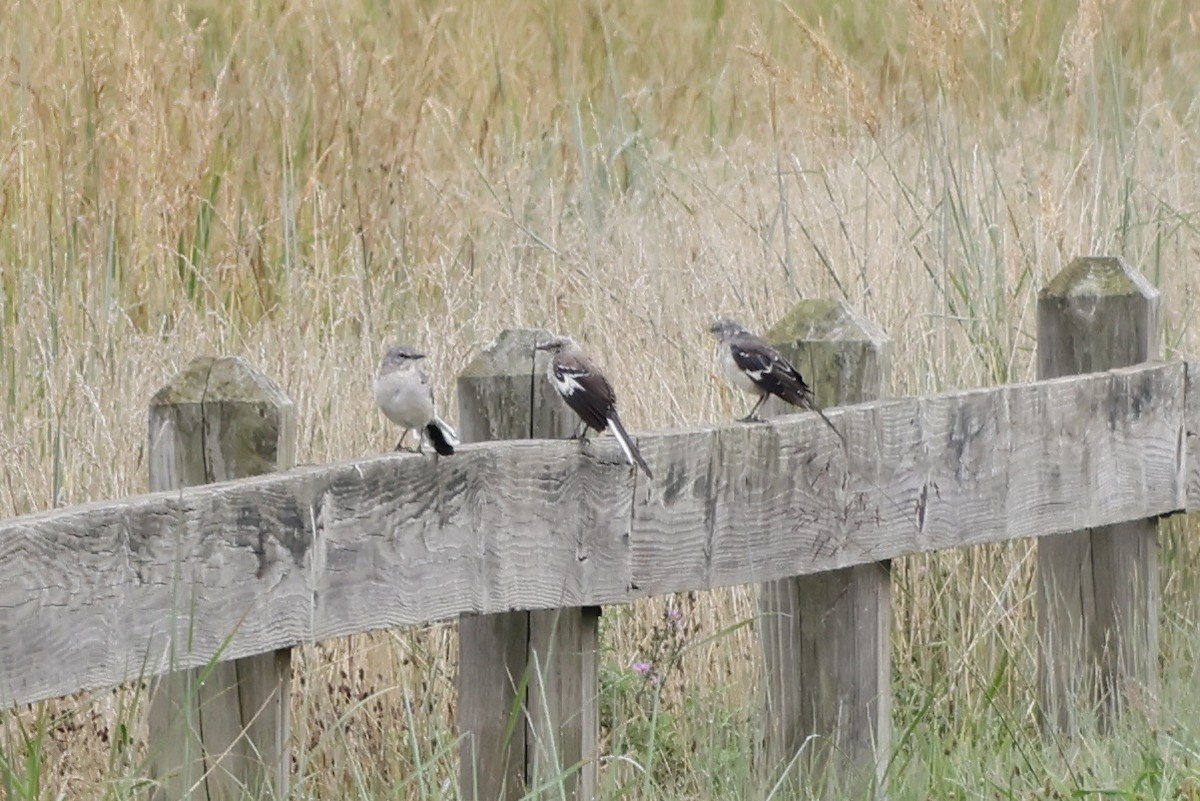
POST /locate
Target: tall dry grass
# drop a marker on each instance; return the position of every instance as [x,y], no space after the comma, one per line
[299,183]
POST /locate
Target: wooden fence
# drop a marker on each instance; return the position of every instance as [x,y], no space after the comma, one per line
[524,540]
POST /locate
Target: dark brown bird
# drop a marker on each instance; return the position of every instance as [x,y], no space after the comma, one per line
[585,389]
[758,369]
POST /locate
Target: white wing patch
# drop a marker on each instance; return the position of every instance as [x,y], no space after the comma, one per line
[765,363]
[565,381]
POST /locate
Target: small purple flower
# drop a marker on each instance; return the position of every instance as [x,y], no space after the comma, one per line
[641,668]
[674,614]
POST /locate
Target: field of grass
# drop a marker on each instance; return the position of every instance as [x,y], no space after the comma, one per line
[302,182]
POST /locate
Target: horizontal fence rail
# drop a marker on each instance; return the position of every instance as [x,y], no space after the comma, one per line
[90,595]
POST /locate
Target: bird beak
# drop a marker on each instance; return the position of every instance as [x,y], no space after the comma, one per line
[543,346]
[417,356]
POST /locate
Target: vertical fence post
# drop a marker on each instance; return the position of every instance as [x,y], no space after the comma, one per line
[527,681]
[826,637]
[220,732]
[1097,588]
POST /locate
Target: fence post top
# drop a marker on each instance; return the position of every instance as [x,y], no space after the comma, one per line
[220,379]
[1098,276]
[826,320]
[510,354]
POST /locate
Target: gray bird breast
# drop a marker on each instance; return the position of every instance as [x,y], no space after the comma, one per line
[405,398]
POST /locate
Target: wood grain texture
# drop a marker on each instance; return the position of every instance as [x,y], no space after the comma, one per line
[504,394]
[220,732]
[496,399]
[1096,314]
[838,690]
[1192,437]
[1097,588]
[538,664]
[490,685]
[826,637]
[563,703]
[91,594]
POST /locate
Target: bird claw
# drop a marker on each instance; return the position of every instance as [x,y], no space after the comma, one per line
[750,418]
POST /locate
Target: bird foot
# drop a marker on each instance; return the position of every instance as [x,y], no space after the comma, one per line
[750,418]
[400,447]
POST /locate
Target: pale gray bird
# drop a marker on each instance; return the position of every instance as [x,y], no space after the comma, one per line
[403,392]
[758,369]
[585,389]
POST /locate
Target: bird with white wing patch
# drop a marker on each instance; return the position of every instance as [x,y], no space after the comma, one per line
[758,369]
[589,394]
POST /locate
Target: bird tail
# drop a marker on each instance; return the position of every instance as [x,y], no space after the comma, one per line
[443,437]
[631,452]
[811,404]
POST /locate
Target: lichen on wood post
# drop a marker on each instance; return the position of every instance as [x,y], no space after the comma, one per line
[219,732]
[825,637]
[527,681]
[1097,595]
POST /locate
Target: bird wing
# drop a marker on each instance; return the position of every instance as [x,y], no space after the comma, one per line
[769,370]
[425,382]
[586,391]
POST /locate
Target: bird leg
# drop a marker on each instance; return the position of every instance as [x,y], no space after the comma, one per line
[751,418]
[404,436]
[581,436]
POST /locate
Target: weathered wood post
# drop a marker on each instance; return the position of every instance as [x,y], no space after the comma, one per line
[219,732]
[1097,588]
[826,637]
[527,681]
